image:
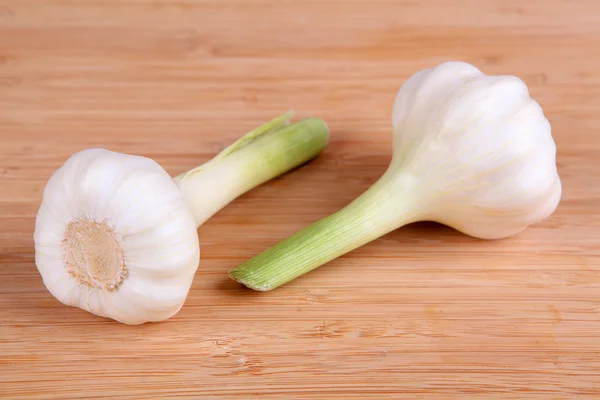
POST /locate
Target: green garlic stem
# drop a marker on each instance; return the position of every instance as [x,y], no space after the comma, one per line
[259,156]
[367,218]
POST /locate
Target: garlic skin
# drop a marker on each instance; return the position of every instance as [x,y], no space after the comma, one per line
[471,151]
[477,150]
[151,225]
[115,235]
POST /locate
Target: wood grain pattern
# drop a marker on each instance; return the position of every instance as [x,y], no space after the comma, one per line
[424,312]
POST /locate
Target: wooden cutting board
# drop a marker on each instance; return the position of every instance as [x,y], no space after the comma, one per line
[424,312]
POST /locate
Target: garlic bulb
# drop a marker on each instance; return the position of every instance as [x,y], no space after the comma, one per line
[115,235]
[472,151]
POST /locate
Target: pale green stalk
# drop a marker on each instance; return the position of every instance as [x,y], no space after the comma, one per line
[259,156]
[368,217]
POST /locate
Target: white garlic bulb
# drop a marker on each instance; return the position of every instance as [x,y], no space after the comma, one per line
[472,151]
[477,150]
[116,236]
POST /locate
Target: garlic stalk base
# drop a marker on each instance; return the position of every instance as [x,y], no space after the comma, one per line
[367,218]
[259,156]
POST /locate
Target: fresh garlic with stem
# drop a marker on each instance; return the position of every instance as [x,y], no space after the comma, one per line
[116,236]
[471,151]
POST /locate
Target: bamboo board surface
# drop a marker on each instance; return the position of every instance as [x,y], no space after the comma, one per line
[423,312]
